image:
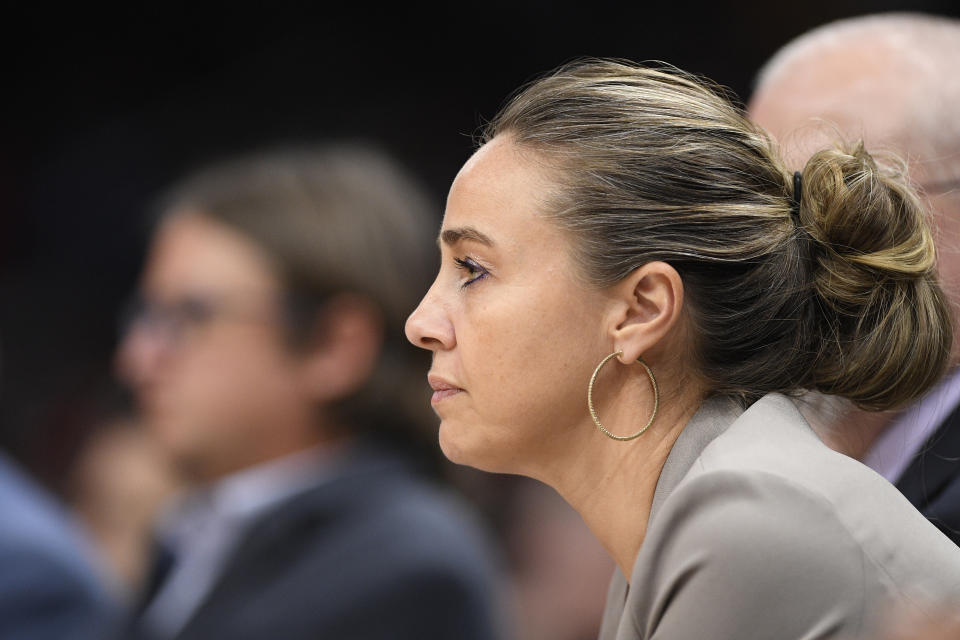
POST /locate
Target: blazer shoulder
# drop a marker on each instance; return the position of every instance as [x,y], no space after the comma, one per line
[740,513]
[50,586]
[732,552]
[38,536]
[424,527]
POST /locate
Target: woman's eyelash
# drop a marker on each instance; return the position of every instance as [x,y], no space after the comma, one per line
[475,270]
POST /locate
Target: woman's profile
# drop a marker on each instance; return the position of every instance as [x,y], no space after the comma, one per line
[632,288]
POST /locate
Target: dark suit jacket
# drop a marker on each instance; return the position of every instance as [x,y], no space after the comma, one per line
[373,553]
[49,586]
[932,481]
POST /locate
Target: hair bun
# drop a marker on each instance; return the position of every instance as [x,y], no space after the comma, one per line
[874,257]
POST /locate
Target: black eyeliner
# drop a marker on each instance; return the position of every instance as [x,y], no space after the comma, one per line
[471,266]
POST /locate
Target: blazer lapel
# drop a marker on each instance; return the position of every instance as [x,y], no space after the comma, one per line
[713,417]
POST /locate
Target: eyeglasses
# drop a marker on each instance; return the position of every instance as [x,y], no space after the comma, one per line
[172,321]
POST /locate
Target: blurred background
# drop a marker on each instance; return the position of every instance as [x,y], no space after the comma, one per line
[103,107]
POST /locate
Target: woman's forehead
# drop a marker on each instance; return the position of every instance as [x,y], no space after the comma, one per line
[499,191]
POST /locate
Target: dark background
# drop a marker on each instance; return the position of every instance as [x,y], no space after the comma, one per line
[103,107]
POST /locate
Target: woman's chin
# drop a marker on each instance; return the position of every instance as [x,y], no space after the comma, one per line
[451,445]
[459,447]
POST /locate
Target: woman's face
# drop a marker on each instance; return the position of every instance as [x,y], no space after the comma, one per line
[514,333]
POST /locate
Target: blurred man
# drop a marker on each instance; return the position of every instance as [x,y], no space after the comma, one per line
[268,359]
[893,81]
[50,588]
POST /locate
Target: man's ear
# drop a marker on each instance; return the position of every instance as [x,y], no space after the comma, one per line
[647,306]
[342,349]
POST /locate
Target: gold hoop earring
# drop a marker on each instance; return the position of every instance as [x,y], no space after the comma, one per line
[593,412]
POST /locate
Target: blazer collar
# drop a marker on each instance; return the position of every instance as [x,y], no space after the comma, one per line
[713,417]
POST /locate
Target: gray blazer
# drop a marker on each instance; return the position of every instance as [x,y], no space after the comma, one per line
[758,530]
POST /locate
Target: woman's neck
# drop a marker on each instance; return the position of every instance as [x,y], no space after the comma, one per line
[842,426]
[610,483]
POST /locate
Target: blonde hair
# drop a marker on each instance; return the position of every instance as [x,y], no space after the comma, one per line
[655,164]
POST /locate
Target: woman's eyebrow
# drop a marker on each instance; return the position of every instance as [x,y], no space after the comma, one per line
[456,234]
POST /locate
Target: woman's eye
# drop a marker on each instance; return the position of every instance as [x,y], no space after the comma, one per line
[474,271]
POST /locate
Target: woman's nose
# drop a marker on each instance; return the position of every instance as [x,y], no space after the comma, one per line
[429,326]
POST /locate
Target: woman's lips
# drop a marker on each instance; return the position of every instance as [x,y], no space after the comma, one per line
[442,389]
[443,394]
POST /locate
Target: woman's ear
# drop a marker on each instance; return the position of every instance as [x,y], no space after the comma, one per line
[648,306]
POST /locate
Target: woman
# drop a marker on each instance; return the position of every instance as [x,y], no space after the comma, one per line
[625,234]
